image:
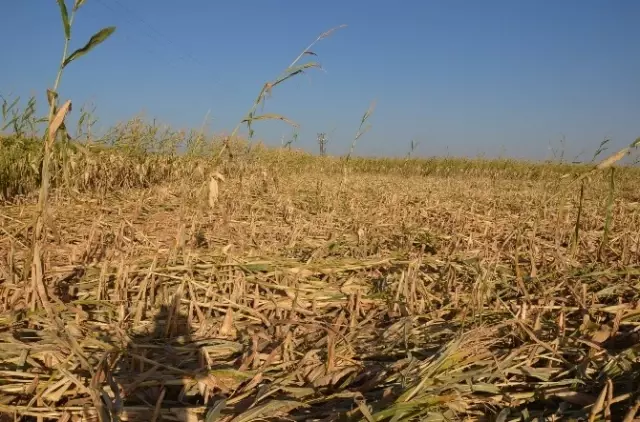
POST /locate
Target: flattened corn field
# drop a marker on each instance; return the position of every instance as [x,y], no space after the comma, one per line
[426,290]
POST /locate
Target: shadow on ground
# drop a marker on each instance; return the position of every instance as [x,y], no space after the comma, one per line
[155,373]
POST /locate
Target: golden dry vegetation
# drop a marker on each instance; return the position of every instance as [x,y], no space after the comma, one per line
[434,290]
[154,275]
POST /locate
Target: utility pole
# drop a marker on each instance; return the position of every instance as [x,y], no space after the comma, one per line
[322,142]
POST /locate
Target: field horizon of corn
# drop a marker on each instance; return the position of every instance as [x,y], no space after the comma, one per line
[158,275]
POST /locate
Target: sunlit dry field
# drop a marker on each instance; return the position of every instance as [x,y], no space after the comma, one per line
[154,275]
[441,290]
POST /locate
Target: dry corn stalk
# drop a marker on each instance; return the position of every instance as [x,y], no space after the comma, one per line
[213,188]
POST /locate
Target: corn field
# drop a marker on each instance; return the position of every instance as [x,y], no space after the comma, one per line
[150,274]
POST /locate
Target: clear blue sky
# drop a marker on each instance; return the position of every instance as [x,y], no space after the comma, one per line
[459,77]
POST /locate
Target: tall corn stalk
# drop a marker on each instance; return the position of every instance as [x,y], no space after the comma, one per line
[55,124]
[362,129]
[294,69]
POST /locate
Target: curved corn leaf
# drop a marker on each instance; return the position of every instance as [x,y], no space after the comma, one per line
[295,70]
[58,120]
[65,19]
[77,4]
[52,96]
[611,160]
[96,39]
[270,116]
[214,413]
[269,409]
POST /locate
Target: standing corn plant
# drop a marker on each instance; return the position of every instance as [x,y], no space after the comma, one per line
[55,125]
[362,129]
[294,69]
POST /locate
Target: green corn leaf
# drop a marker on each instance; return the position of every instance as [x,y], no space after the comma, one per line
[214,413]
[78,4]
[96,39]
[65,19]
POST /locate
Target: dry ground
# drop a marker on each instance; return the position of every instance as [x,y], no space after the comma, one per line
[397,298]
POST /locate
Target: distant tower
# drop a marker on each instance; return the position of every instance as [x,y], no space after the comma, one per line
[322,142]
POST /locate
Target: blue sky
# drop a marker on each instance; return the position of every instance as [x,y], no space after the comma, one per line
[493,77]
